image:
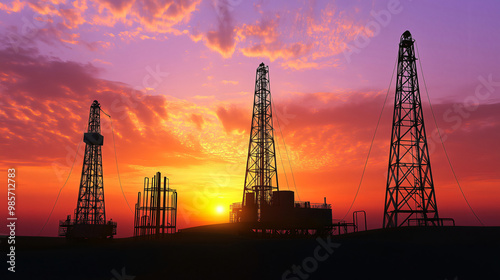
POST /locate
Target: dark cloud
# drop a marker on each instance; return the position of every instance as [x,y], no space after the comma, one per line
[46,103]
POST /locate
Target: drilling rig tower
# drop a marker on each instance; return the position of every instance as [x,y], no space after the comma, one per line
[410,197]
[90,214]
[261,177]
[264,208]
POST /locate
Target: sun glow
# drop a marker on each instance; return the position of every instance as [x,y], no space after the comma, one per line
[219,209]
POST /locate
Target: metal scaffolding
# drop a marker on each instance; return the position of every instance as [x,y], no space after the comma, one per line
[156,213]
[90,214]
[410,192]
[264,208]
[261,177]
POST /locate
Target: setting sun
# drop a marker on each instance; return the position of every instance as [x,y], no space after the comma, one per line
[219,209]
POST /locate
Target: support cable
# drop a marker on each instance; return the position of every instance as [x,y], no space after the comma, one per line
[60,190]
[442,142]
[286,150]
[283,165]
[116,161]
[371,144]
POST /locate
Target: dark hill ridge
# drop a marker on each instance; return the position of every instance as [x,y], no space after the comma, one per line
[220,252]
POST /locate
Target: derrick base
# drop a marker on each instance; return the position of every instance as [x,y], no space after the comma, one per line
[284,213]
[70,229]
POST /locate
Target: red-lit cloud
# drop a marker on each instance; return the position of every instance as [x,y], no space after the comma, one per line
[45,104]
[59,20]
[40,93]
[198,120]
[194,126]
[15,6]
[234,118]
[299,39]
[152,16]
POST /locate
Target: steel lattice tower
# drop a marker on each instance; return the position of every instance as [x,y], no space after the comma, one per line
[410,195]
[90,214]
[261,177]
[90,208]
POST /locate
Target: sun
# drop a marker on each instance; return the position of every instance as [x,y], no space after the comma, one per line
[219,209]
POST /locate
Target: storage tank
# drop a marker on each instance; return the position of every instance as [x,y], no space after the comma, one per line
[283,199]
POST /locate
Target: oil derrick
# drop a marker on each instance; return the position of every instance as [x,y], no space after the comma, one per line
[265,209]
[410,196]
[90,214]
[156,213]
[261,177]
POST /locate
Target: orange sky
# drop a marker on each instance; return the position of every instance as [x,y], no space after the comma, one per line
[202,149]
[189,118]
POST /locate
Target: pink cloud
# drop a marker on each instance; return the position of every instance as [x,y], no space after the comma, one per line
[14,7]
[298,39]
[52,98]
[153,16]
[72,18]
[120,8]
[234,118]
[222,40]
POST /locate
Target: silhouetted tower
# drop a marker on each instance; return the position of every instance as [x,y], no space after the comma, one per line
[90,208]
[90,214]
[410,195]
[261,177]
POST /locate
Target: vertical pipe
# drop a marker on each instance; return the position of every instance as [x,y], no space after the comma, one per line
[158,199]
[169,211]
[366,227]
[165,188]
[144,197]
[148,206]
[151,204]
[146,182]
[139,212]
[175,213]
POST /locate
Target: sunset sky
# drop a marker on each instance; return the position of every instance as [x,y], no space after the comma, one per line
[177,77]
